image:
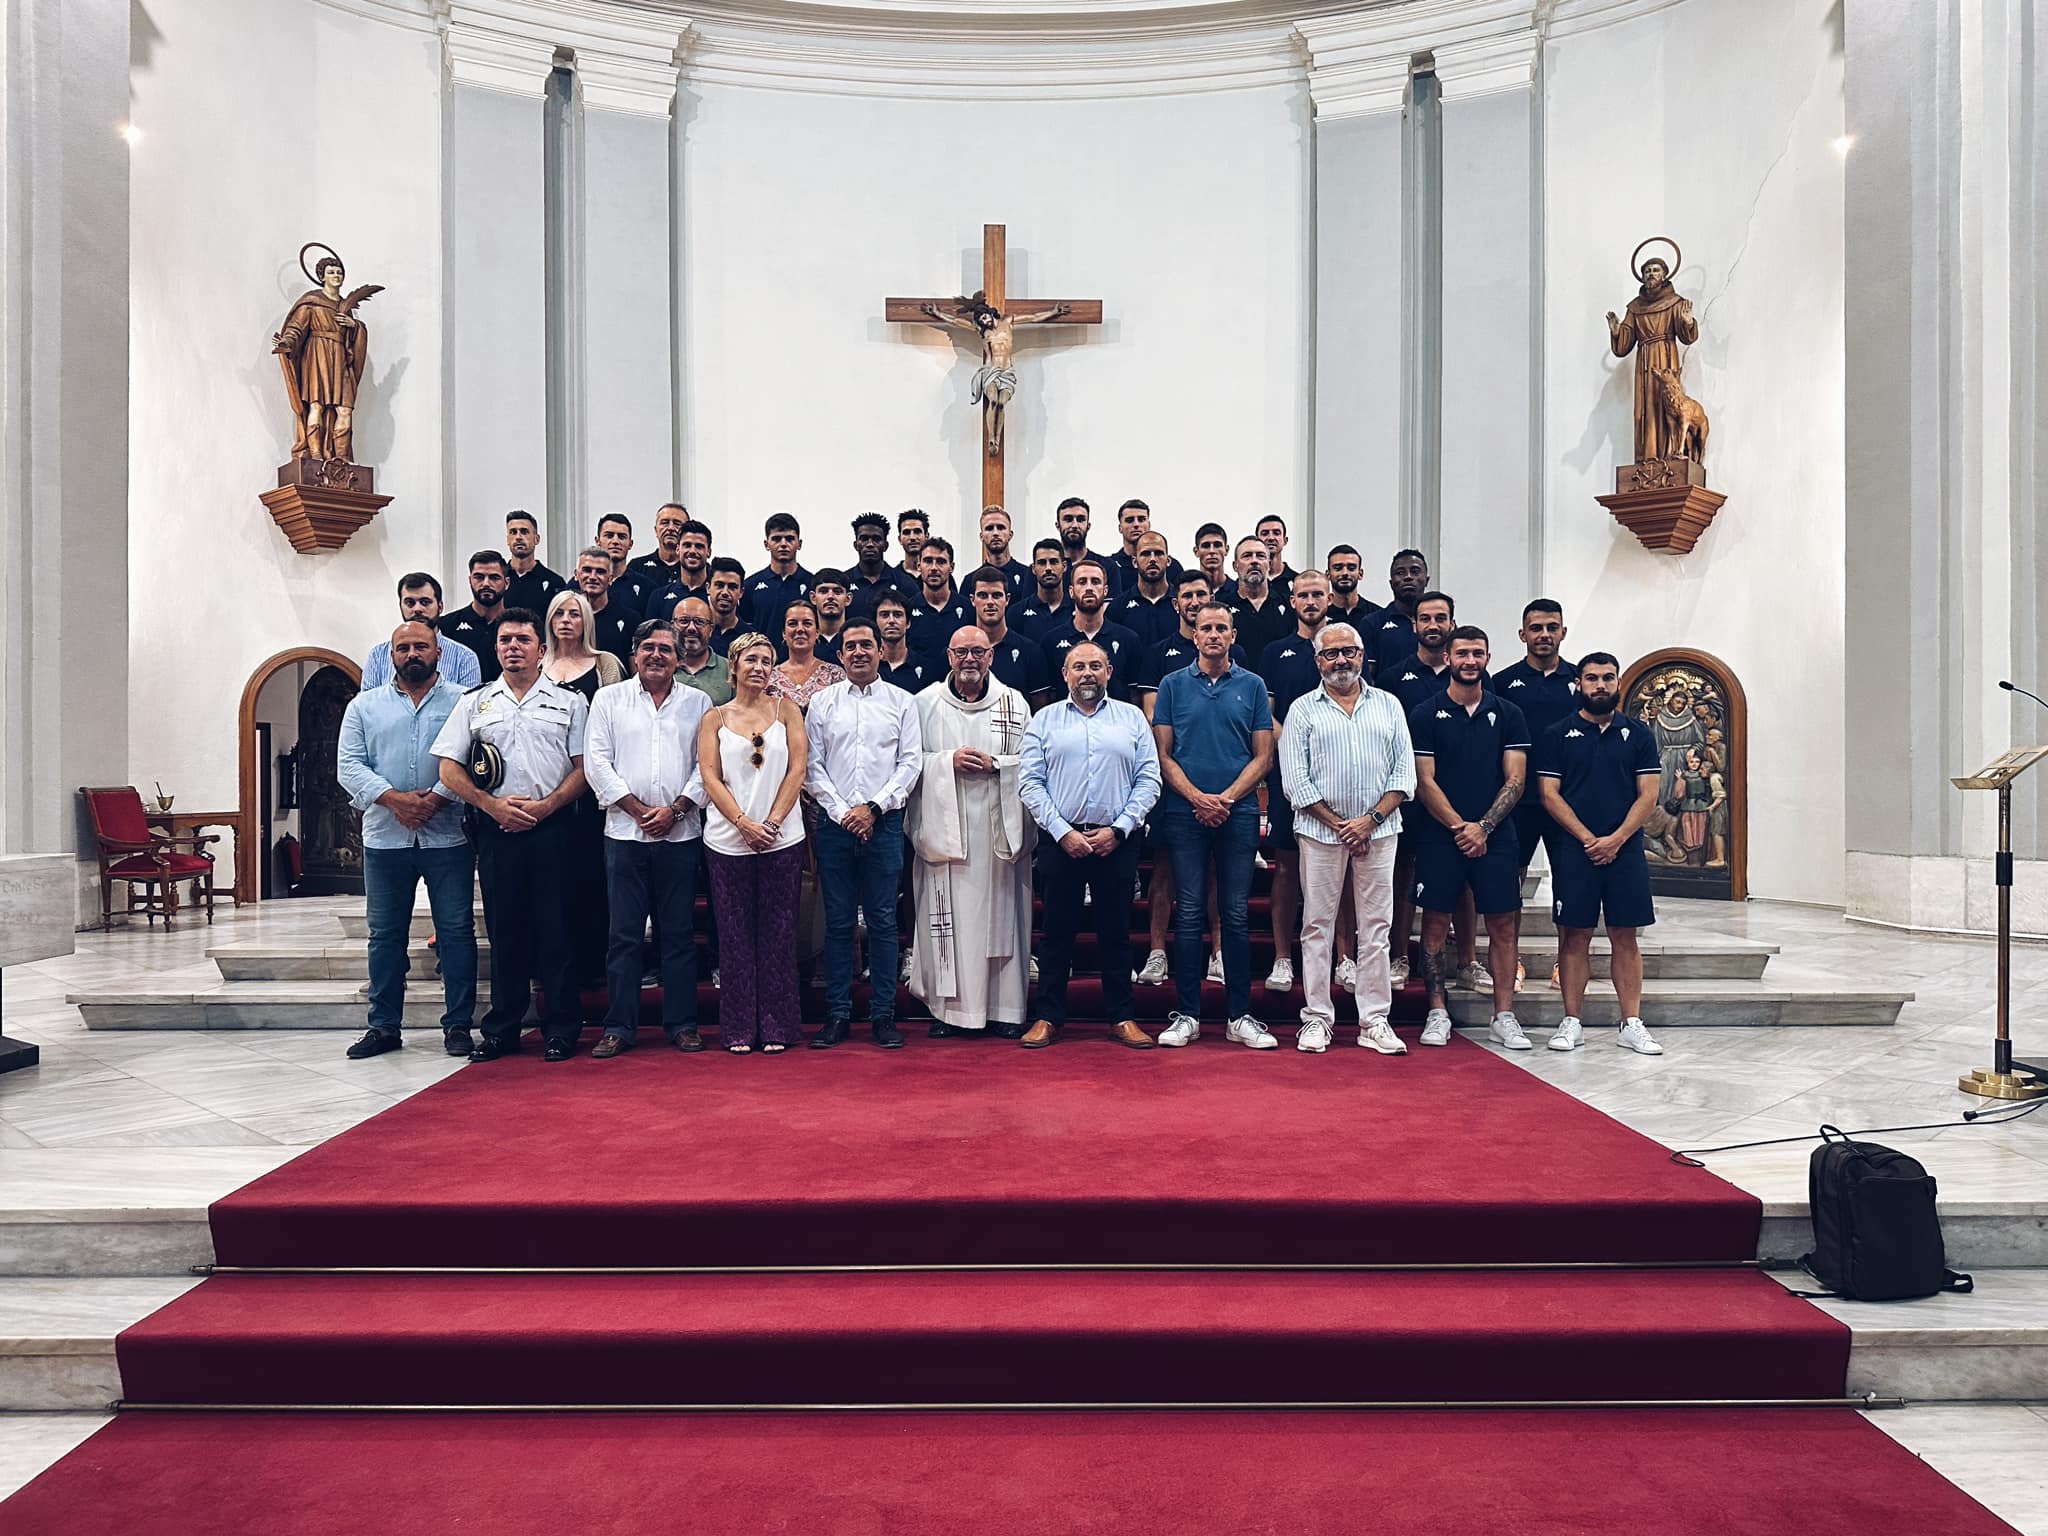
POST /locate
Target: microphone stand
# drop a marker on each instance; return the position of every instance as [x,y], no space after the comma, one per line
[2005,872]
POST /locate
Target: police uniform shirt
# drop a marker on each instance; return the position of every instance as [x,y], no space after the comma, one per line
[1544,698]
[1019,662]
[1288,665]
[862,594]
[1122,645]
[478,633]
[1414,680]
[615,628]
[1597,770]
[535,590]
[675,590]
[537,735]
[1389,639]
[1466,750]
[1036,620]
[767,597]
[931,629]
[917,673]
[1170,655]
[1150,619]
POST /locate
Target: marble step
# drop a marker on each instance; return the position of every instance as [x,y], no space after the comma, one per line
[57,1337]
[1701,1003]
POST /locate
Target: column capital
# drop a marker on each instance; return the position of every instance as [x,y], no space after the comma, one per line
[1360,61]
[625,61]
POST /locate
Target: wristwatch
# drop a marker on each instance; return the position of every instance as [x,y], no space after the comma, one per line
[1122,836]
[1377,819]
[874,810]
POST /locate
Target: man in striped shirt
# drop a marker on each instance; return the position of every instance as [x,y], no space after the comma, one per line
[1346,765]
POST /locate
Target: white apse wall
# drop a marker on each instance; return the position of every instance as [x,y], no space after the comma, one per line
[1186,215]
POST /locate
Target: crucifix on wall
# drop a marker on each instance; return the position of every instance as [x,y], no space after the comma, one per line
[990,316]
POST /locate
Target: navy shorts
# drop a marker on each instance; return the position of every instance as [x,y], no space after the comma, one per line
[1441,873]
[1279,817]
[1581,890]
[1534,825]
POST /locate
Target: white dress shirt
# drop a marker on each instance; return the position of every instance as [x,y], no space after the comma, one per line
[1348,762]
[866,744]
[539,736]
[646,750]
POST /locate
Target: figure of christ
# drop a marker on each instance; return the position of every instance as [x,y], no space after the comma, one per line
[1657,322]
[995,381]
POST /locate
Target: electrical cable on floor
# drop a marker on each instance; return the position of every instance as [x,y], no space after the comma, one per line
[2002,1114]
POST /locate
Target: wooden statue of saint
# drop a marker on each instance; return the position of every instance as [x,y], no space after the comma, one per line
[1657,323]
[324,348]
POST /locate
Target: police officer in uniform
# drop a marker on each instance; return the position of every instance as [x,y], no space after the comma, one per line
[513,751]
[1599,770]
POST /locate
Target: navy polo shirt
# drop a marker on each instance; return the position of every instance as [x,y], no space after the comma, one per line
[1466,750]
[1356,616]
[1018,575]
[1123,574]
[1389,639]
[676,590]
[1124,653]
[478,633]
[932,628]
[1037,620]
[615,628]
[1020,662]
[636,589]
[1413,680]
[1544,698]
[1288,665]
[1170,655]
[917,673]
[767,597]
[1213,720]
[652,571]
[535,590]
[1150,620]
[1117,582]
[722,639]
[826,647]
[863,594]
[1258,627]
[1598,771]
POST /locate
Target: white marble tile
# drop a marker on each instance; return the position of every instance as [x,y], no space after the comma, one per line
[32,1442]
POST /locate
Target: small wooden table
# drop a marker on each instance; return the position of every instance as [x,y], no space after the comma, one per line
[185,823]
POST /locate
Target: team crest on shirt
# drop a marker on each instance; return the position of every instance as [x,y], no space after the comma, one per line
[1489,717]
[1287,653]
[1624,733]
[1516,683]
[1443,714]
[1407,677]
[1575,731]
[760,586]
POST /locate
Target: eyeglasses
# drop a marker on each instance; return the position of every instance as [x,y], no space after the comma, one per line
[970,652]
[760,743]
[1341,650]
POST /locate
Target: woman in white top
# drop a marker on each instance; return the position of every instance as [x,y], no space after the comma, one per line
[753,755]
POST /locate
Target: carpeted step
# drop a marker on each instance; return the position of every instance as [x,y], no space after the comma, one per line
[1681,1472]
[1020,1338]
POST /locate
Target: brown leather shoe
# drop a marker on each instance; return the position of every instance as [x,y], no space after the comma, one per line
[1041,1033]
[1129,1034]
[610,1045]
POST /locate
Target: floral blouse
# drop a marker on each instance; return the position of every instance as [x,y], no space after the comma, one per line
[782,686]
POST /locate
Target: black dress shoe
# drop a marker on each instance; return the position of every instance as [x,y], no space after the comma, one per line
[688,1040]
[457,1042]
[833,1032]
[375,1042]
[488,1049]
[887,1035]
[949,1032]
[559,1050]
[1006,1031]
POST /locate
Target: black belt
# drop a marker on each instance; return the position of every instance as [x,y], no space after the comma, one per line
[1089,826]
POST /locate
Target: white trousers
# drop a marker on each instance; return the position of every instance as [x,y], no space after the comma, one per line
[1324,869]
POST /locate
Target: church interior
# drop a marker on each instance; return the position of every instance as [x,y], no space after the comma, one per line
[1716,328]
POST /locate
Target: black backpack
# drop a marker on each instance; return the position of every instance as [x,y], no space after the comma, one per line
[1875,1233]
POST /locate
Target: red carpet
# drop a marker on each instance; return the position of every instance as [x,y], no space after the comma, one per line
[979,1152]
[1477,1473]
[1004,1337]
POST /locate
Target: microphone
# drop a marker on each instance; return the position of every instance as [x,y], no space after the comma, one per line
[2016,688]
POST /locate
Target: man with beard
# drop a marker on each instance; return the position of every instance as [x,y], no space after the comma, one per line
[1346,762]
[1347,604]
[728,584]
[692,574]
[995,551]
[698,665]
[1014,659]
[1261,612]
[912,529]
[828,596]
[477,625]
[972,840]
[1048,608]
[641,758]
[1089,774]
[630,584]
[1471,762]
[781,581]
[1089,587]
[528,583]
[901,667]
[419,602]
[1392,636]
[872,575]
[1543,686]
[660,567]
[614,621]
[412,832]
[1599,772]
[1147,607]
[938,609]
[1288,668]
[1073,521]
[1272,532]
[1133,522]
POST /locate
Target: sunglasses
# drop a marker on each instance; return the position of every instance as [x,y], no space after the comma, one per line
[760,743]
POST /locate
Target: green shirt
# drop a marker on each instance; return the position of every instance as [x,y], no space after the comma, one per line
[714,682]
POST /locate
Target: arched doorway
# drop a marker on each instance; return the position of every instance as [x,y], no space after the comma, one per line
[253,831]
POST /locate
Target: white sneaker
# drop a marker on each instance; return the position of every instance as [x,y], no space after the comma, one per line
[1507,1029]
[1314,1035]
[1347,974]
[1034,968]
[715,982]
[1281,977]
[1246,1030]
[1379,1036]
[1569,1033]
[1397,972]
[1180,1029]
[1216,967]
[1475,976]
[1635,1037]
[1153,972]
[903,970]
[1436,1029]
[1259,861]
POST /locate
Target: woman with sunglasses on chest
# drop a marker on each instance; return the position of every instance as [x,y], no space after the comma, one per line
[753,755]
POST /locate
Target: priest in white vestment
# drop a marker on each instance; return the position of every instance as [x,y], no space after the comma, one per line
[972,840]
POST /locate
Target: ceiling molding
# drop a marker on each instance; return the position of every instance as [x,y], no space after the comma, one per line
[1569,18]
[1485,66]
[625,56]
[1360,63]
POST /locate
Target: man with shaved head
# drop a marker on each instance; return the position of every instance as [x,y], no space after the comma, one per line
[972,842]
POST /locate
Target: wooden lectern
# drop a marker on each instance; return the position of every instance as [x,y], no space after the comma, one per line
[2002,1082]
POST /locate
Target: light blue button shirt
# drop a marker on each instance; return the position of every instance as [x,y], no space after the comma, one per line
[458,665]
[387,743]
[1099,769]
[1348,762]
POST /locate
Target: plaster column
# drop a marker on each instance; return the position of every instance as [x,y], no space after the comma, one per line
[1945,440]
[64,244]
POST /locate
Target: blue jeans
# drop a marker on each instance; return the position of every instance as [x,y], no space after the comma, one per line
[389,879]
[855,875]
[1193,847]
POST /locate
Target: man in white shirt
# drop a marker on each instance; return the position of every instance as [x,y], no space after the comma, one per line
[866,748]
[641,759]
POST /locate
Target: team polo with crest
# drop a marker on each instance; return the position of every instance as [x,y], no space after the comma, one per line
[1150,619]
[1036,619]
[1597,771]
[1171,655]
[1466,749]
[1389,639]
[1018,661]
[1544,698]
[1122,645]
[768,596]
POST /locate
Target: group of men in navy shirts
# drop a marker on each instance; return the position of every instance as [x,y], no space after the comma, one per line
[1531,755]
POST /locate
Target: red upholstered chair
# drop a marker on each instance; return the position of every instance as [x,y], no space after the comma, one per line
[131,850]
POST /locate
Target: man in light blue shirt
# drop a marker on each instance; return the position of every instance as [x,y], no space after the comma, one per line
[1088,773]
[412,832]
[419,600]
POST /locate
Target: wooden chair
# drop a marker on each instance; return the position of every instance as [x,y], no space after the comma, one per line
[133,851]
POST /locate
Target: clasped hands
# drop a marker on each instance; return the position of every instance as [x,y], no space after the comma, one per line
[414,808]
[1603,850]
[1470,837]
[1357,832]
[1099,844]
[517,813]
[1210,810]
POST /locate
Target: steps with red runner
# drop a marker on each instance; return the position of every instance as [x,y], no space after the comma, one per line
[1690,1472]
[1012,1337]
[955,1152]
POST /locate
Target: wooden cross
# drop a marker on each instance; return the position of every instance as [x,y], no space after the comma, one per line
[990,321]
